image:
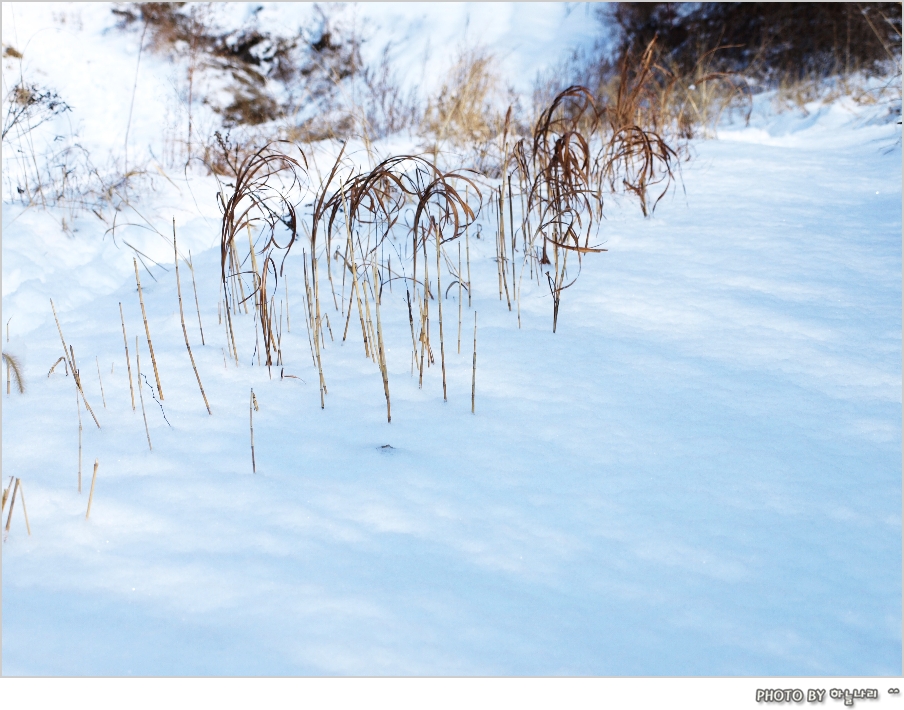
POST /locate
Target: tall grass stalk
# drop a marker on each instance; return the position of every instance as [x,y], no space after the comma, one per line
[252,405]
[91,492]
[128,361]
[382,351]
[468,249]
[147,331]
[439,302]
[459,299]
[140,397]
[24,509]
[182,318]
[192,269]
[6,492]
[288,317]
[12,502]
[70,358]
[424,322]
[103,399]
[315,331]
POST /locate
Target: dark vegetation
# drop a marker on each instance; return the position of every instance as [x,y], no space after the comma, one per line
[708,58]
[768,41]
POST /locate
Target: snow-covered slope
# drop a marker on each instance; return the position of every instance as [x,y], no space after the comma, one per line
[699,473]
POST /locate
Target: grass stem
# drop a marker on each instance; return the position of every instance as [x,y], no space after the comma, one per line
[128,362]
[24,509]
[91,492]
[103,399]
[382,351]
[252,404]
[182,318]
[141,397]
[69,354]
[147,331]
[12,502]
[195,287]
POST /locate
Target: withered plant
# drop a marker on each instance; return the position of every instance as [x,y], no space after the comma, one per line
[371,205]
[563,190]
[579,149]
[260,199]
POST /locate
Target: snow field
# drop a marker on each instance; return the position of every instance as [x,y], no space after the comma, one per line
[698,474]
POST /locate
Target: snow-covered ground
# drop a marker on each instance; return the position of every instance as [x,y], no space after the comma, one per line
[698,474]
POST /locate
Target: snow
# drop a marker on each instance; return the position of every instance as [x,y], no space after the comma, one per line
[698,474]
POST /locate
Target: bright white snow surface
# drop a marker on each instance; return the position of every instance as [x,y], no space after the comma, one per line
[699,473]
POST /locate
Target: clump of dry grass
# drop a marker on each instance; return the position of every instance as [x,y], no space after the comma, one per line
[258,199]
[362,212]
[636,157]
[28,106]
[468,112]
[462,111]
[557,170]
[582,146]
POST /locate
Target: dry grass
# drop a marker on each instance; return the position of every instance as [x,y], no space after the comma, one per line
[582,146]
[91,492]
[467,113]
[14,368]
[372,203]
[147,332]
[258,199]
[182,318]
[69,354]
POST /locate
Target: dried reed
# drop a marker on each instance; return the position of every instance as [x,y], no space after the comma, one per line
[439,305]
[195,288]
[70,357]
[140,397]
[24,509]
[459,299]
[381,350]
[182,318]
[260,195]
[6,494]
[12,503]
[125,342]
[103,399]
[147,331]
[91,492]
[252,405]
